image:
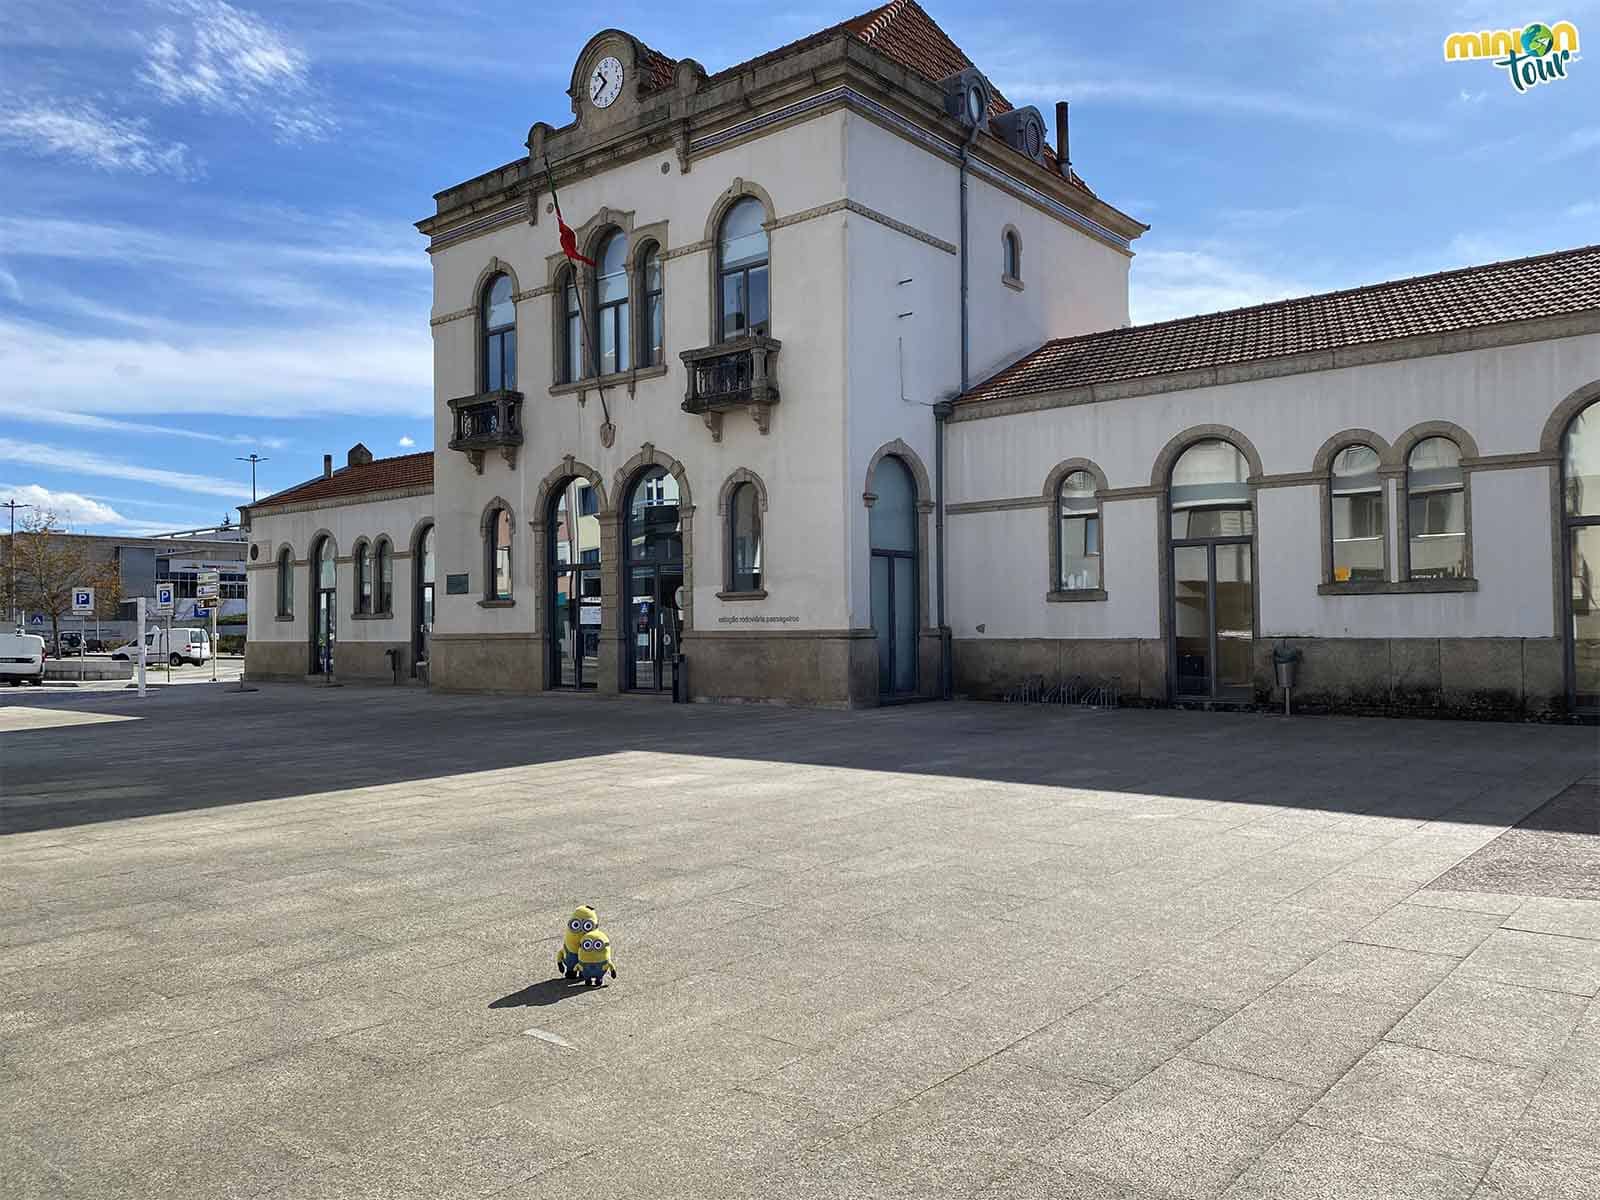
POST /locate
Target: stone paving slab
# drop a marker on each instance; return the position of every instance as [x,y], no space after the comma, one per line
[950,950]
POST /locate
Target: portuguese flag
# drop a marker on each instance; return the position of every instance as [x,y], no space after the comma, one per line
[569,240]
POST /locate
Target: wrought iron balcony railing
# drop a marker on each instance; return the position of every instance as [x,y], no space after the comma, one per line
[487,421]
[736,374]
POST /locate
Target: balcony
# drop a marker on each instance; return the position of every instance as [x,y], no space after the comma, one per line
[736,374]
[487,421]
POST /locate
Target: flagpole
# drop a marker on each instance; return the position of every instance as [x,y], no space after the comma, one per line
[583,316]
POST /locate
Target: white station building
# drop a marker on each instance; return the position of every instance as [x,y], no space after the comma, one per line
[848,411]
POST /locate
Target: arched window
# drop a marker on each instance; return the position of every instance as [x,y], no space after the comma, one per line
[499,323]
[892,578]
[1580,496]
[1012,247]
[611,304]
[742,309]
[383,571]
[363,561]
[1436,511]
[744,539]
[652,576]
[570,349]
[1212,569]
[1078,528]
[497,554]
[652,317]
[324,605]
[422,568]
[1356,520]
[285,583]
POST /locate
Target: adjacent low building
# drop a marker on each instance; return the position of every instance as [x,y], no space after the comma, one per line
[846,411]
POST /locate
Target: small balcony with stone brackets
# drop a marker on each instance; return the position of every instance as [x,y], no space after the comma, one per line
[487,421]
[730,375]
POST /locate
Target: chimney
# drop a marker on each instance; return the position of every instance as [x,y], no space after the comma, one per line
[1063,147]
[327,466]
[359,456]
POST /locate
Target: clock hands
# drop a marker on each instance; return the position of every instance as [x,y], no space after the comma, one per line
[599,84]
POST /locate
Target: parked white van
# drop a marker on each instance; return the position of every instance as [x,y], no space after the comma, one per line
[187,645]
[22,658]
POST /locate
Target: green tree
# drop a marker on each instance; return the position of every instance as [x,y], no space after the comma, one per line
[48,566]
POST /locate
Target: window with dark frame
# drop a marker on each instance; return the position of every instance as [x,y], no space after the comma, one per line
[743,302]
[499,319]
[385,577]
[1013,256]
[285,583]
[744,539]
[612,329]
[1436,511]
[1078,529]
[1356,517]
[363,557]
[652,325]
[572,366]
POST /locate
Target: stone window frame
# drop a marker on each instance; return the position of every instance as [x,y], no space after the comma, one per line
[566,373]
[736,191]
[740,477]
[549,490]
[1399,468]
[480,335]
[597,242]
[638,249]
[283,581]
[621,494]
[486,521]
[1322,468]
[361,577]
[1011,257]
[1054,593]
[382,604]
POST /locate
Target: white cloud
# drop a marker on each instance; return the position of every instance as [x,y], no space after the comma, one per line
[34,415]
[9,286]
[80,131]
[1178,283]
[71,508]
[407,441]
[83,462]
[230,60]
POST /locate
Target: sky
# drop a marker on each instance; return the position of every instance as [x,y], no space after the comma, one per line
[206,209]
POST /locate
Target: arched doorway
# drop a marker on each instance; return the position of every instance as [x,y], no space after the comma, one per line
[892,535]
[573,560]
[324,605]
[652,579]
[1211,541]
[1580,527]
[422,561]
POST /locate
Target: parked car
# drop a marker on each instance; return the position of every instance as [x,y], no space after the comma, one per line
[186,645]
[68,644]
[22,658]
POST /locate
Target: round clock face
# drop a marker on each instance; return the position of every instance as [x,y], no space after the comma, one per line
[605,83]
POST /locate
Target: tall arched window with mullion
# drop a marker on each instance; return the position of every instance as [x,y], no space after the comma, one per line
[571,350]
[497,553]
[499,320]
[1079,531]
[742,285]
[744,539]
[611,304]
[363,557]
[383,578]
[652,322]
[1436,511]
[1356,516]
[285,583]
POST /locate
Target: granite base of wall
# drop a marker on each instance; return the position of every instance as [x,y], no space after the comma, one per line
[504,663]
[1475,678]
[986,668]
[370,660]
[821,668]
[276,660]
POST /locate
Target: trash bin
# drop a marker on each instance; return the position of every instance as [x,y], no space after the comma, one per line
[680,679]
[1285,661]
[394,663]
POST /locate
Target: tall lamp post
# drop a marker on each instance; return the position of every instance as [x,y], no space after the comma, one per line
[11,557]
[253,460]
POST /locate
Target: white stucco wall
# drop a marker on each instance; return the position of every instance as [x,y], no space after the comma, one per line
[1502,397]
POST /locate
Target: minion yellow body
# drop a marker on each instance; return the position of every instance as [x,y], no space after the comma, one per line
[584,921]
[594,958]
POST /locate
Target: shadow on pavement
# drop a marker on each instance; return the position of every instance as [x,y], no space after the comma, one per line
[542,994]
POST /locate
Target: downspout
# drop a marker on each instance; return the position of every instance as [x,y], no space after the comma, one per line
[941,414]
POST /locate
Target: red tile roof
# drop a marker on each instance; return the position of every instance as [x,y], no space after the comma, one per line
[1547,285]
[379,475]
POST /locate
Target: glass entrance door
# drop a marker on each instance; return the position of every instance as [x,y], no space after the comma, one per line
[653,625]
[575,627]
[892,542]
[1213,620]
[324,608]
[1580,503]
[423,562]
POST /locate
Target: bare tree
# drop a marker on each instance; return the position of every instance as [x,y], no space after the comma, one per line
[48,567]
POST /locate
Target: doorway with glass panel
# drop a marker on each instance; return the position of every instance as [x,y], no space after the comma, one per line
[1212,548]
[574,566]
[1580,536]
[652,579]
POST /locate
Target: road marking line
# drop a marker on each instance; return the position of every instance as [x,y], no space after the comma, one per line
[546,1036]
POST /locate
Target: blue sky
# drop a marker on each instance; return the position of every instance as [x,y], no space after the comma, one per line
[206,242]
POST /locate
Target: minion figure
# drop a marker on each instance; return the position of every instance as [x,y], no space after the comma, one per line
[594,958]
[580,925]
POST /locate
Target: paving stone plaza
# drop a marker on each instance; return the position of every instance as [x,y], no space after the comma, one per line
[299,943]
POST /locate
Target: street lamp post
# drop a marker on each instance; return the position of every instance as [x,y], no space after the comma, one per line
[11,557]
[253,460]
